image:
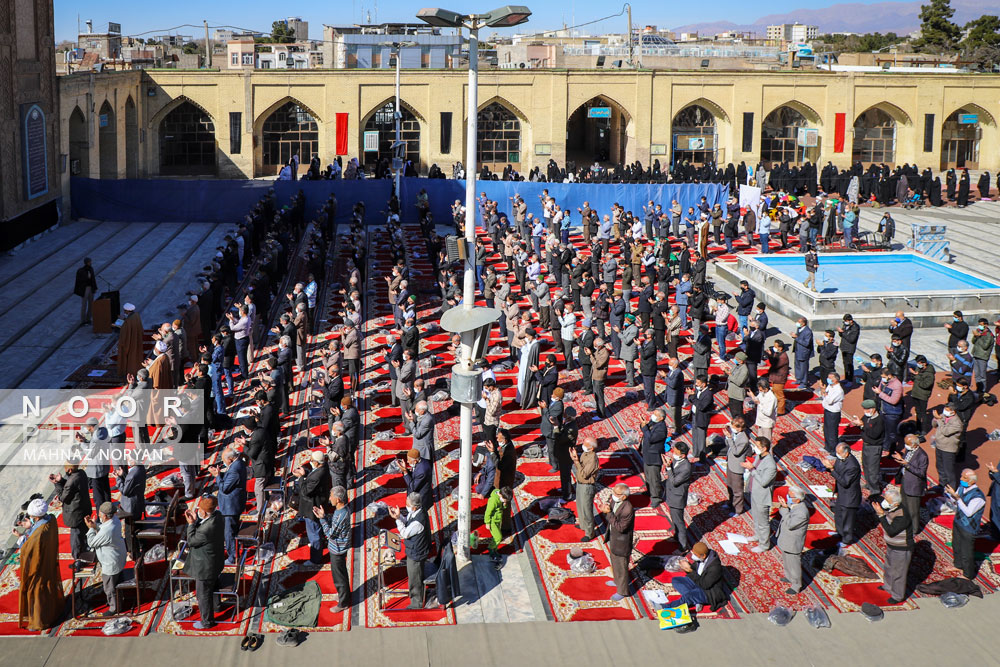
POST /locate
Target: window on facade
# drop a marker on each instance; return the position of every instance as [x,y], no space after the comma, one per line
[498,140]
[187,141]
[693,136]
[874,138]
[236,59]
[779,136]
[383,122]
[290,130]
[248,59]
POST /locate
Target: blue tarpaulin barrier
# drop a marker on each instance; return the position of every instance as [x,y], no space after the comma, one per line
[141,200]
[442,193]
[227,201]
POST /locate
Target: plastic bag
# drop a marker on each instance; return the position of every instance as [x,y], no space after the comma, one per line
[265,552]
[954,600]
[781,616]
[383,435]
[378,509]
[817,617]
[172,481]
[496,350]
[533,452]
[589,405]
[583,565]
[693,499]
[393,468]
[439,396]
[157,553]
[672,563]
[995,434]
[117,626]
[182,611]
[632,438]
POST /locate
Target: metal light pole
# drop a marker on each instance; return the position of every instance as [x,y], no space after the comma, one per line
[472,323]
[397,117]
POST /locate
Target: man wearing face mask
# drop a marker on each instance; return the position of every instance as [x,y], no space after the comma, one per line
[803,352]
[674,396]
[961,362]
[739,376]
[762,475]
[872,436]
[792,537]
[675,490]
[417,540]
[777,372]
[871,375]
[849,334]
[827,351]
[923,388]
[965,402]
[948,432]
[654,435]
[206,554]
[890,394]
[737,448]
[897,356]
[846,474]
[702,405]
[753,345]
[958,329]
[833,403]
[897,533]
[703,582]
[971,503]
[982,346]
[585,467]
[620,517]
[903,328]
[912,477]
[767,408]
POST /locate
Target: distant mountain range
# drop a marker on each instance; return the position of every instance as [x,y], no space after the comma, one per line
[899,17]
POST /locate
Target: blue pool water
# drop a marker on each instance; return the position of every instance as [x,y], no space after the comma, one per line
[877,272]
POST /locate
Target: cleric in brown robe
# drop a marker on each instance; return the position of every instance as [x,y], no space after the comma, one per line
[41,603]
[130,342]
[160,377]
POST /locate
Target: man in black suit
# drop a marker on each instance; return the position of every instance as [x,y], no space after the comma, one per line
[912,477]
[419,478]
[702,406]
[872,435]
[85,287]
[647,369]
[675,393]
[394,357]
[846,473]
[586,342]
[620,518]
[675,490]
[654,434]
[703,582]
[205,557]
[314,491]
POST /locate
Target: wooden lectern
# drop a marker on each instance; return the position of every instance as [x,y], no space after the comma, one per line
[101,312]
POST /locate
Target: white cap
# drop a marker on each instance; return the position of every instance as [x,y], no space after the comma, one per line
[129,307]
[160,346]
[318,456]
[38,508]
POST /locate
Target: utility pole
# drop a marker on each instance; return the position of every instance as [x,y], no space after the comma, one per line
[631,56]
[208,48]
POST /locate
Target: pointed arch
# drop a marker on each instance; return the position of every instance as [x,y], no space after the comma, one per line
[79,143]
[173,104]
[891,110]
[131,138]
[710,106]
[186,140]
[107,140]
[985,117]
[496,99]
[610,101]
[807,111]
[391,99]
[259,121]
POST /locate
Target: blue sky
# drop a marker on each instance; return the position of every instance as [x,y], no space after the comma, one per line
[140,17]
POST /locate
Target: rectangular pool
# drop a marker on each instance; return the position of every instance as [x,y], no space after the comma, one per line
[876,272]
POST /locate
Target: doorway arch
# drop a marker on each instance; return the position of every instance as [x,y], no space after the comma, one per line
[695,136]
[291,129]
[79,144]
[961,135]
[131,139]
[597,131]
[498,137]
[107,141]
[779,137]
[187,141]
[383,121]
[874,137]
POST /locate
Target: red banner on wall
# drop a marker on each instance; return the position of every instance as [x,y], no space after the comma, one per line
[341,134]
[839,129]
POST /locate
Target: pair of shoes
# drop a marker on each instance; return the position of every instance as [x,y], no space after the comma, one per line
[791,591]
[783,579]
[655,503]
[252,641]
[690,627]
[336,609]
[894,601]
[759,549]
[201,625]
[414,607]
[588,538]
[617,597]
[290,637]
